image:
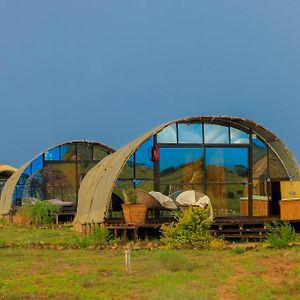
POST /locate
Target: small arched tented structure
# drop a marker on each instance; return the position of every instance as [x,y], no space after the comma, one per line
[54,174]
[237,157]
[5,172]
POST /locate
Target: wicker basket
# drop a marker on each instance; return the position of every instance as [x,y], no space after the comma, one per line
[134,213]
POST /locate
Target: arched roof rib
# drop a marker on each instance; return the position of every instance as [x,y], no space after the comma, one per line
[97,186]
[9,188]
[6,170]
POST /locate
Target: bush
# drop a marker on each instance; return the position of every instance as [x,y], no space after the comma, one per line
[191,229]
[280,234]
[83,241]
[41,212]
[216,244]
[99,236]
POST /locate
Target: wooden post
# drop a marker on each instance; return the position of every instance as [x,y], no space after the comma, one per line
[125,233]
[128,260]
[135,233]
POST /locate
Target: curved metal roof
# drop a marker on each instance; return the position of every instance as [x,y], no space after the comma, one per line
[97,186]
[9,187]
[6,170]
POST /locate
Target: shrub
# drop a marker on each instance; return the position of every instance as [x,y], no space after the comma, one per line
[280,234]
[99,235]
[83,242]
[41,212]
[216,244]
[191,229]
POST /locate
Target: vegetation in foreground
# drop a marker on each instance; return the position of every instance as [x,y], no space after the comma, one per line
[156,274]
[29,271]
[42,263]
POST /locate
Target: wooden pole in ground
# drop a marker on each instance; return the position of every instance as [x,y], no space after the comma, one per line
[128,260]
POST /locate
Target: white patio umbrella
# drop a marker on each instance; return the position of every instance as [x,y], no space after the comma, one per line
[192,197]
[165,201]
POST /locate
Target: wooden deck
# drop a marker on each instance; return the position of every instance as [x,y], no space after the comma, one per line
[224,227]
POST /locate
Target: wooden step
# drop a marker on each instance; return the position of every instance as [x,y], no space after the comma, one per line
[240,230]
[237,236]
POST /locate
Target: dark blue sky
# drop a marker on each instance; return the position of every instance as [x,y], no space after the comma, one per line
[111,70]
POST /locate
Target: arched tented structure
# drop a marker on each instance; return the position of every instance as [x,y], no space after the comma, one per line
[5,172]
[235,161]
[54,174]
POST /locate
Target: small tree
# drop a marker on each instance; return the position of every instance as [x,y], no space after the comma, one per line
[280,234]
[41,212]
[191,228]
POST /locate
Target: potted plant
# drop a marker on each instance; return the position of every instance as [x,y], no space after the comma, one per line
[133,212]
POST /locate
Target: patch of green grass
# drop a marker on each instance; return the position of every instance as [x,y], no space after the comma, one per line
[175,261]
[159,274]
[249,287]
[27,273]
[238,250]
[63,235]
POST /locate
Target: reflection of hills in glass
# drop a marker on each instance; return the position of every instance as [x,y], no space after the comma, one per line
[193,173]
[143,171]
[260,163]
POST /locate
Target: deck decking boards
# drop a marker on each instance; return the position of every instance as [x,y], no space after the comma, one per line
[228,228]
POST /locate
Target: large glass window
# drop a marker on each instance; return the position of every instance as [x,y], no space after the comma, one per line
[227,164]
[83,168]
[167,135]
[99,153]
[27,171]
[169,189]
[37,164]
[128,169]
[143,163]
[190,133]
[35,186]
[260,188]
[275,166]
[238,137]
[61,181]
[53,154]
[216,134]
[181,165]
[145,185]
[260,159]
[68,152]
[228,199]
[121,185]
[84,151]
